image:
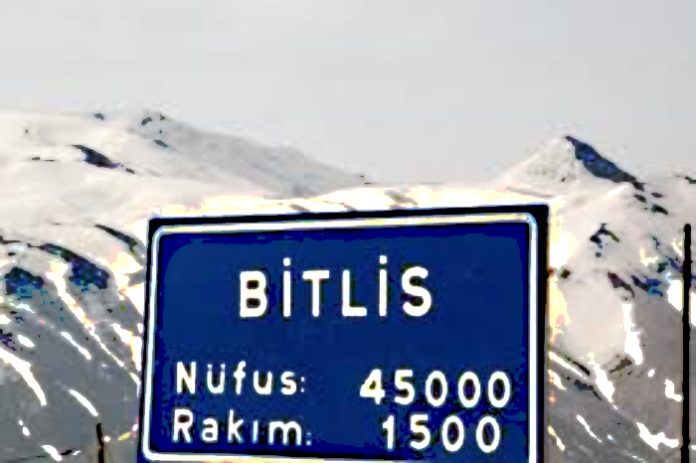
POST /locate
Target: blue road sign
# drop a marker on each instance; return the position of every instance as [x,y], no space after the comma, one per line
[399,335]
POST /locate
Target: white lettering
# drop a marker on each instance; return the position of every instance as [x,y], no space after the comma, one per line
[187,378]
[416,291]
[349,310]
[316,277]
[183,422]
[255,293]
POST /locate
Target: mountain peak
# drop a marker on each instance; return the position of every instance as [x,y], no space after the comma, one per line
[599,166]
[566,164]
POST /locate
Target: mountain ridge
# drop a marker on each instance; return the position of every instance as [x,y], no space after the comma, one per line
[78,191]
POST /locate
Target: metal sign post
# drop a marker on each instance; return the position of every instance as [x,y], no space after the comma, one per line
[686,351]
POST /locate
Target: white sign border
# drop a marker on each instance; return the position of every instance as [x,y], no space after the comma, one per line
[314,224]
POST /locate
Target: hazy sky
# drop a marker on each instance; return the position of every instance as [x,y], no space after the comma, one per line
[405,91]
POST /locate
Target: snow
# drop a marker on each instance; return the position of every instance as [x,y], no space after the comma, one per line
[77,193]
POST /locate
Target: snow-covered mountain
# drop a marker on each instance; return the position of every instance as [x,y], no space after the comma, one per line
[76,195]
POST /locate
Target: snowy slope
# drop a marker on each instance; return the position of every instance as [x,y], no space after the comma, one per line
[76,195]
[77,192]
[615,303]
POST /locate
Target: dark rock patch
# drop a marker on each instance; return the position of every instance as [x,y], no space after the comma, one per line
[649,285]
[625,362]
[22,283]
[38,158]
[131,242]
[575,363]
[596,238]
[83,272]
[6,241]
[7,340]
[584,387]
[601,167]
[95,158]
[656,208]
[617,282]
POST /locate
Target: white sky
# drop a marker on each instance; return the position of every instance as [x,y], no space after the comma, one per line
[405,91]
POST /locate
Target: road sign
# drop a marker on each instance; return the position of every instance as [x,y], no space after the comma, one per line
[399,335]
